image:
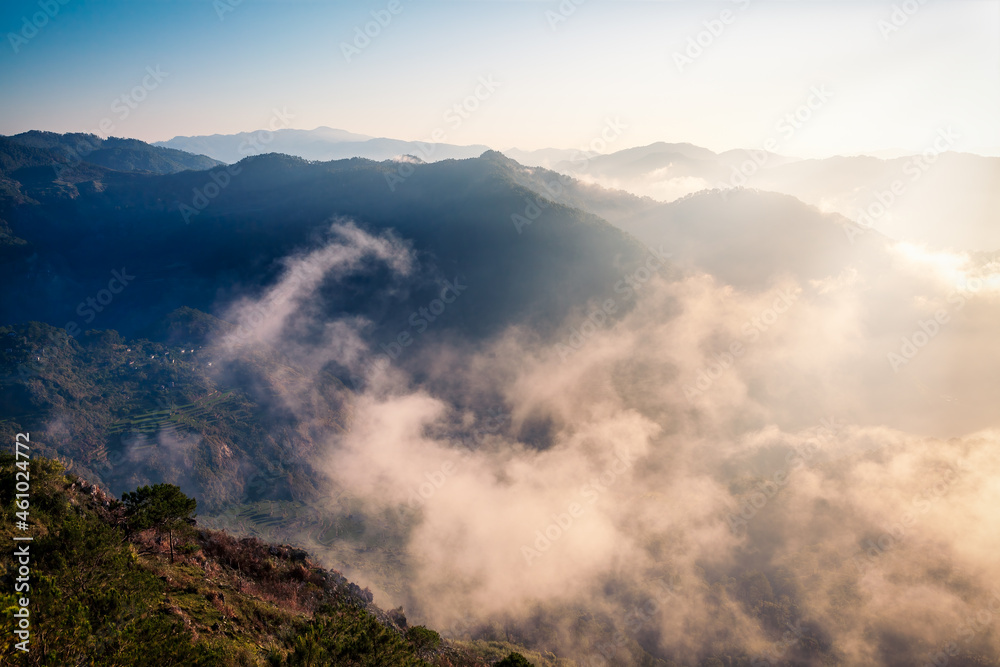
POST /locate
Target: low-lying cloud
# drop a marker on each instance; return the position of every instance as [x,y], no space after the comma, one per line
[716,473]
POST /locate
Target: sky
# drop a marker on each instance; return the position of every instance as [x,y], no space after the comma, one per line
[724,75]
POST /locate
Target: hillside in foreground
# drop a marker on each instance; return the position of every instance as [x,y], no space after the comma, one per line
[103,593]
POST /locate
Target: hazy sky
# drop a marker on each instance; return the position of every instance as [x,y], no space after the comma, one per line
[559,81]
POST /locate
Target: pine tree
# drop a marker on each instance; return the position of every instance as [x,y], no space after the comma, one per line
[161,506]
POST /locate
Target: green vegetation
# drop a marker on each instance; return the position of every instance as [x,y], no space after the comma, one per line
[111,153]
[104,590]
[352,638]
[128,413]
[422,639]
[92,601]
[161,506]
[514,660]
[457,215]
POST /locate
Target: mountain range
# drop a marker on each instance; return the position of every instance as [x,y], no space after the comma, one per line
[903,195]
[515,401]
[322,143]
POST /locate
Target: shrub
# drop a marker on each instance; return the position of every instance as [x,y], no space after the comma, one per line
[514,660]
[422,638]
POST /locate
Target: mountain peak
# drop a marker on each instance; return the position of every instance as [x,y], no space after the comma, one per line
[498,158]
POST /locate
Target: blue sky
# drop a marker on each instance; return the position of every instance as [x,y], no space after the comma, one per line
[889,84]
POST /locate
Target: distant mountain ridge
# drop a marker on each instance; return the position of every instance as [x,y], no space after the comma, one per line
[457,214]
[114,153]
[935,192]
[38,165]
[941,197]
[320,144]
